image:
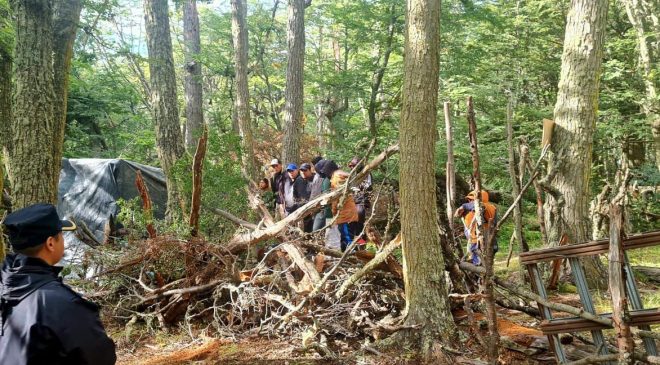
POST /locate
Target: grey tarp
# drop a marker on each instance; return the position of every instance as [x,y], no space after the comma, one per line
[89,190]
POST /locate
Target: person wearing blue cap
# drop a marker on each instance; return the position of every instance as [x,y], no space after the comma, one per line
[295,190]
[44,321]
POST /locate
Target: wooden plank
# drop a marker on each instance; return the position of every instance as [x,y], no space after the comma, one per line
[638,318]
[617,286]
[589,249]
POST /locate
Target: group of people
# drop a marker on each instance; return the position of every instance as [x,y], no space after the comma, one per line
[292,186]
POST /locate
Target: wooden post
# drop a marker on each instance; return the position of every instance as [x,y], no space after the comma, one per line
[198,167]
[617,284]
[515,184]
[450,174]
[524,157]
[488,255]
[146,203]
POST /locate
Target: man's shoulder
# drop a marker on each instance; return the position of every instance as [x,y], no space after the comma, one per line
[58,295]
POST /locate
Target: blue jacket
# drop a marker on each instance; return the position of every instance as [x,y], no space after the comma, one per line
[46,322]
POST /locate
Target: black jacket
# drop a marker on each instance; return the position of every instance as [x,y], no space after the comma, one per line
[277,186]
[295,193]
[46,322]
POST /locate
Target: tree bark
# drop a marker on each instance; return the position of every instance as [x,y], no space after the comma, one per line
[31,161]
[569,165]
[65,25]
[164,102]
[637,14]
[193,75]
[241,102]
[617,286]
[5,106]
[426,294]
[293,93]
[198,171]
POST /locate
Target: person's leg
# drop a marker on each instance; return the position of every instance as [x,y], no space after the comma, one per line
[346,237]
[319,220]
[308,224]
[358,226]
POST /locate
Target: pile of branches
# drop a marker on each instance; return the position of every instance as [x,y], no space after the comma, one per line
[290,291]
[269,279]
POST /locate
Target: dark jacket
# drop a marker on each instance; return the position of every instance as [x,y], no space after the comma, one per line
[46,322]
[295,193]
[277,186]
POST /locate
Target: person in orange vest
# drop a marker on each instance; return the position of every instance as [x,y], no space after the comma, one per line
[468,216]
[348,213]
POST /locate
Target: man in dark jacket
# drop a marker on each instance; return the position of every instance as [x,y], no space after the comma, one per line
[277,186]
[295,189]
[44,321]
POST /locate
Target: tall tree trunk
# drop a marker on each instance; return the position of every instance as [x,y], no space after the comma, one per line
[164,101]
[31,161]
[647,58]
[65,25]
[293,93]
[426,295]
[240,35]
[5,106]
[569,166]
[193,76]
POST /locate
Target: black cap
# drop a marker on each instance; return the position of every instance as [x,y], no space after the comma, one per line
[305,167]
[316,160]
[31,226]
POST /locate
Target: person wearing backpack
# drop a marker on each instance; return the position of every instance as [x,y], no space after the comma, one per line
[468,217]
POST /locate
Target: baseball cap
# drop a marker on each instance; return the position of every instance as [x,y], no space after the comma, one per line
[291,167]
[32,225]
[305,166]
[274,162]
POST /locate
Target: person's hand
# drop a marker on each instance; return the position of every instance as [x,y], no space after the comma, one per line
[459,212]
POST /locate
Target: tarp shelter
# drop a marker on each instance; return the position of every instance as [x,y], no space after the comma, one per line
[89,190]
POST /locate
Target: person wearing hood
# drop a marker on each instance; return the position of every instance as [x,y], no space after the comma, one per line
[467,214]
[348,212]
[43,320]
[361,195]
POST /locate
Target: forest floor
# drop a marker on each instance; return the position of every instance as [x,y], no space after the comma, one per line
[522,342]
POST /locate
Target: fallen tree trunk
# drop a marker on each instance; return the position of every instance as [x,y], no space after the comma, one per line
[650,273]
[379,258]
[232,218]
[242,241]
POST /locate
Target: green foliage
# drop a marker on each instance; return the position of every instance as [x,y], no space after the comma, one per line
[6,29]
[493,51]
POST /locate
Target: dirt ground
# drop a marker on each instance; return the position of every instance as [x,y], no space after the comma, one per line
[260,350]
